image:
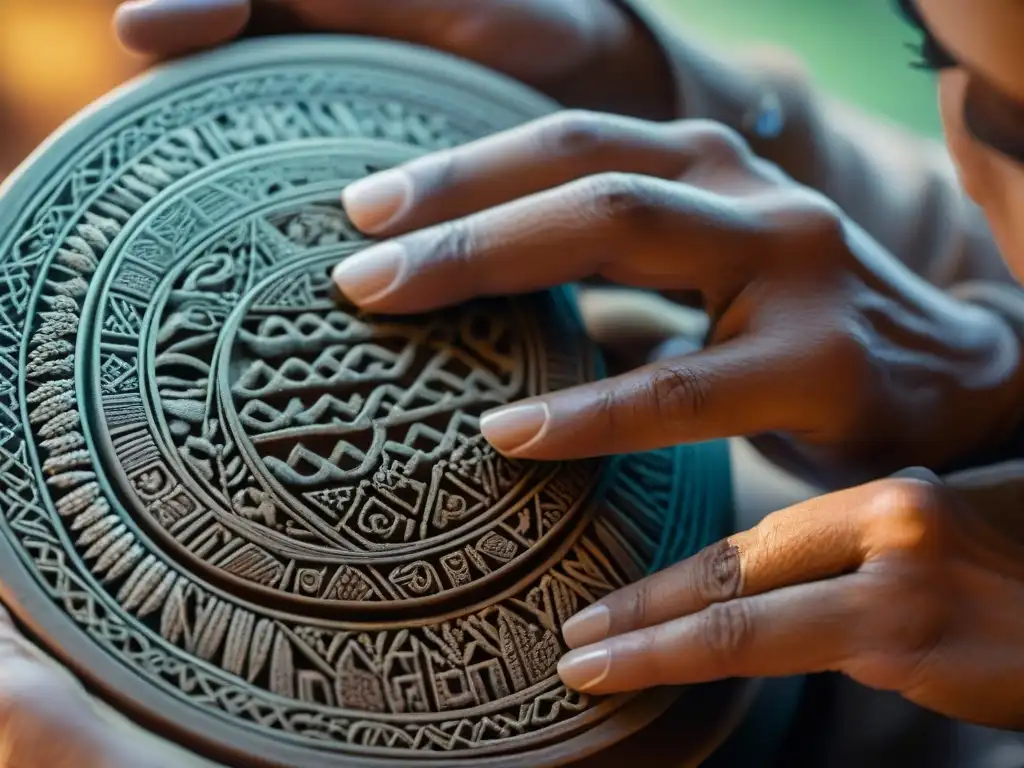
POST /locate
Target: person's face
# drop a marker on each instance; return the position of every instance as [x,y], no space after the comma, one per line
[982,103]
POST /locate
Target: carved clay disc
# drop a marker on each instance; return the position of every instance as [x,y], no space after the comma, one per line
[257,519]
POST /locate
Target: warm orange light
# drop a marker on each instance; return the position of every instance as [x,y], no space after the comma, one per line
[56,56]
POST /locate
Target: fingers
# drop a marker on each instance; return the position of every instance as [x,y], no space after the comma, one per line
[167,28]
[538,156]
[816,587]
[808,628]
[810,541]
[170,27]
[738,387]
[634,230]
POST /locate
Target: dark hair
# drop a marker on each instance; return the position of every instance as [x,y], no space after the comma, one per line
[931,54]
[909,11]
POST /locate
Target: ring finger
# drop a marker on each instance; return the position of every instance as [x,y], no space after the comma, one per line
[820,538]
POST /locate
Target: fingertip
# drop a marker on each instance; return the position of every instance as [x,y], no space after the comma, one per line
[171,27]
[369,277]
[589,626]
[516,430]
[921,474]
[377,203]
[587,669]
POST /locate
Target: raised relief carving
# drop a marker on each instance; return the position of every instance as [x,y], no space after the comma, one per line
[258,500]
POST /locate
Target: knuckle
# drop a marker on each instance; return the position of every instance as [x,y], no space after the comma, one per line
[607,409]
[452,249]
[718,574]
[637,605]
[907,516]
[572,133]
[678,392]
[727,630]
[456,242]
[623,199]
[908,611]
[823,226]
[805,225]
[715,142]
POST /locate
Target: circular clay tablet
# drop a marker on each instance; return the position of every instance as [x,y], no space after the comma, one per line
[256,519]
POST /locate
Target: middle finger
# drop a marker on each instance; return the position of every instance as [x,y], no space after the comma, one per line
[635,230]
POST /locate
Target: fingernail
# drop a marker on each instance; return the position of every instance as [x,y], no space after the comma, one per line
[513,429]
[918,473]
[164,26]
[376,201]
[130,6]
[583,670]
[367,276]
[590,625]
[173,6]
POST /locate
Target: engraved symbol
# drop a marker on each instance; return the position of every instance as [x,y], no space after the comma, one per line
[357,687]
[255,504]
[349,584]
[380,521]
[170,510]
[452,509]
[457,568]
[309,580]
[151,482]
[530,652]
[497,546]
[418,578]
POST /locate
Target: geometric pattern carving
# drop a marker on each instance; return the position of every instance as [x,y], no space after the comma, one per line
[271,518]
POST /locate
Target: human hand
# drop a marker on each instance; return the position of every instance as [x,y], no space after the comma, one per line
[584,53]
[895,584]
[822,346]
[47,720]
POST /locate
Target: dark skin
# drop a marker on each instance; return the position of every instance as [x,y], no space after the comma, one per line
[820,339]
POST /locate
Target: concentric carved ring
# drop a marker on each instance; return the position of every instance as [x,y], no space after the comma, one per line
[262,520]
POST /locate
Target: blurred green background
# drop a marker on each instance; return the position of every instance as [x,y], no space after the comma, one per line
[856,49]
